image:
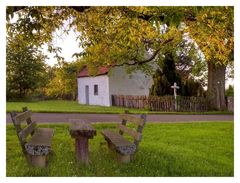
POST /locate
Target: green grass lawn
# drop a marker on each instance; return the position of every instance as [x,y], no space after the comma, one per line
[74,107]
[180,149]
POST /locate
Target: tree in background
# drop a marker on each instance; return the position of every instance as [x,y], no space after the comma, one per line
[165,77]
[191,87]
[230,91]
[63,85]
[25,68]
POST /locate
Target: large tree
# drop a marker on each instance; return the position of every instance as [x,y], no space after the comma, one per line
[213,32]
[123,35]
[25,68]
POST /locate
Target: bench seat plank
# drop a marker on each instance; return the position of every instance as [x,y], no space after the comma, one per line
[40,143]
[122,145]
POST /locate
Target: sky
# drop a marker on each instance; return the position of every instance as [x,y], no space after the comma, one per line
[68,44]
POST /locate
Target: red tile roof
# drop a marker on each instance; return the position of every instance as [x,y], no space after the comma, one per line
[101,71]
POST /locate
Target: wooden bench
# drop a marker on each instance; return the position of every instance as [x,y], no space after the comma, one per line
[125,149]
[35,142]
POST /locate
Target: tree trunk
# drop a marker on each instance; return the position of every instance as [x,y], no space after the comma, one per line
[216,86]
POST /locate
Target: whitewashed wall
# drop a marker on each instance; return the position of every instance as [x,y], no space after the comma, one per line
[120,83]
[103,90]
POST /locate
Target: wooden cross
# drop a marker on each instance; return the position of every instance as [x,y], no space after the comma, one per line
[175,87]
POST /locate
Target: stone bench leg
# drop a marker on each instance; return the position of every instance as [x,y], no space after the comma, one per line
[81,147]
[123,158]
[38,161]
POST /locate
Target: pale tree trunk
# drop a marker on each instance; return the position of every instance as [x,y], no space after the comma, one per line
[216,85]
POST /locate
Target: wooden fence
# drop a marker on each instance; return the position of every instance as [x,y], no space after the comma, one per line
[163,103]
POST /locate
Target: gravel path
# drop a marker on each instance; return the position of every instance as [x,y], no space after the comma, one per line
[64,117]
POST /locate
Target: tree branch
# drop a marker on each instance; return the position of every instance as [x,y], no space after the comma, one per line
[136,62]
[13,9]
[18,8]
[80,8]
[142,16]
[129,12]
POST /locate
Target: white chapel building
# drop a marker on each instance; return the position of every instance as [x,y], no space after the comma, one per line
[98,90]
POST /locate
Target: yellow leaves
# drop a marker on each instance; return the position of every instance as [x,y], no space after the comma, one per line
[117,35]
[210,24]
[212,29]
[204,16]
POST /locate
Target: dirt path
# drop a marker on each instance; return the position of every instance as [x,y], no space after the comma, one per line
[64,117]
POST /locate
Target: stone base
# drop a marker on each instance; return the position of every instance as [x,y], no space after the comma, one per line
[132,157]
[38,161]
[123,158]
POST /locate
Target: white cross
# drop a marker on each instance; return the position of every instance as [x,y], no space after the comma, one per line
[175,87]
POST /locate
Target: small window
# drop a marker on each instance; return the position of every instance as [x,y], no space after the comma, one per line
[95,89]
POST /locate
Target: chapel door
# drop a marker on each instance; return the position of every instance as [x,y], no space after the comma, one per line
[87,94]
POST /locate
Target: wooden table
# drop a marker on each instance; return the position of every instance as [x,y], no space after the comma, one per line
[82,132]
